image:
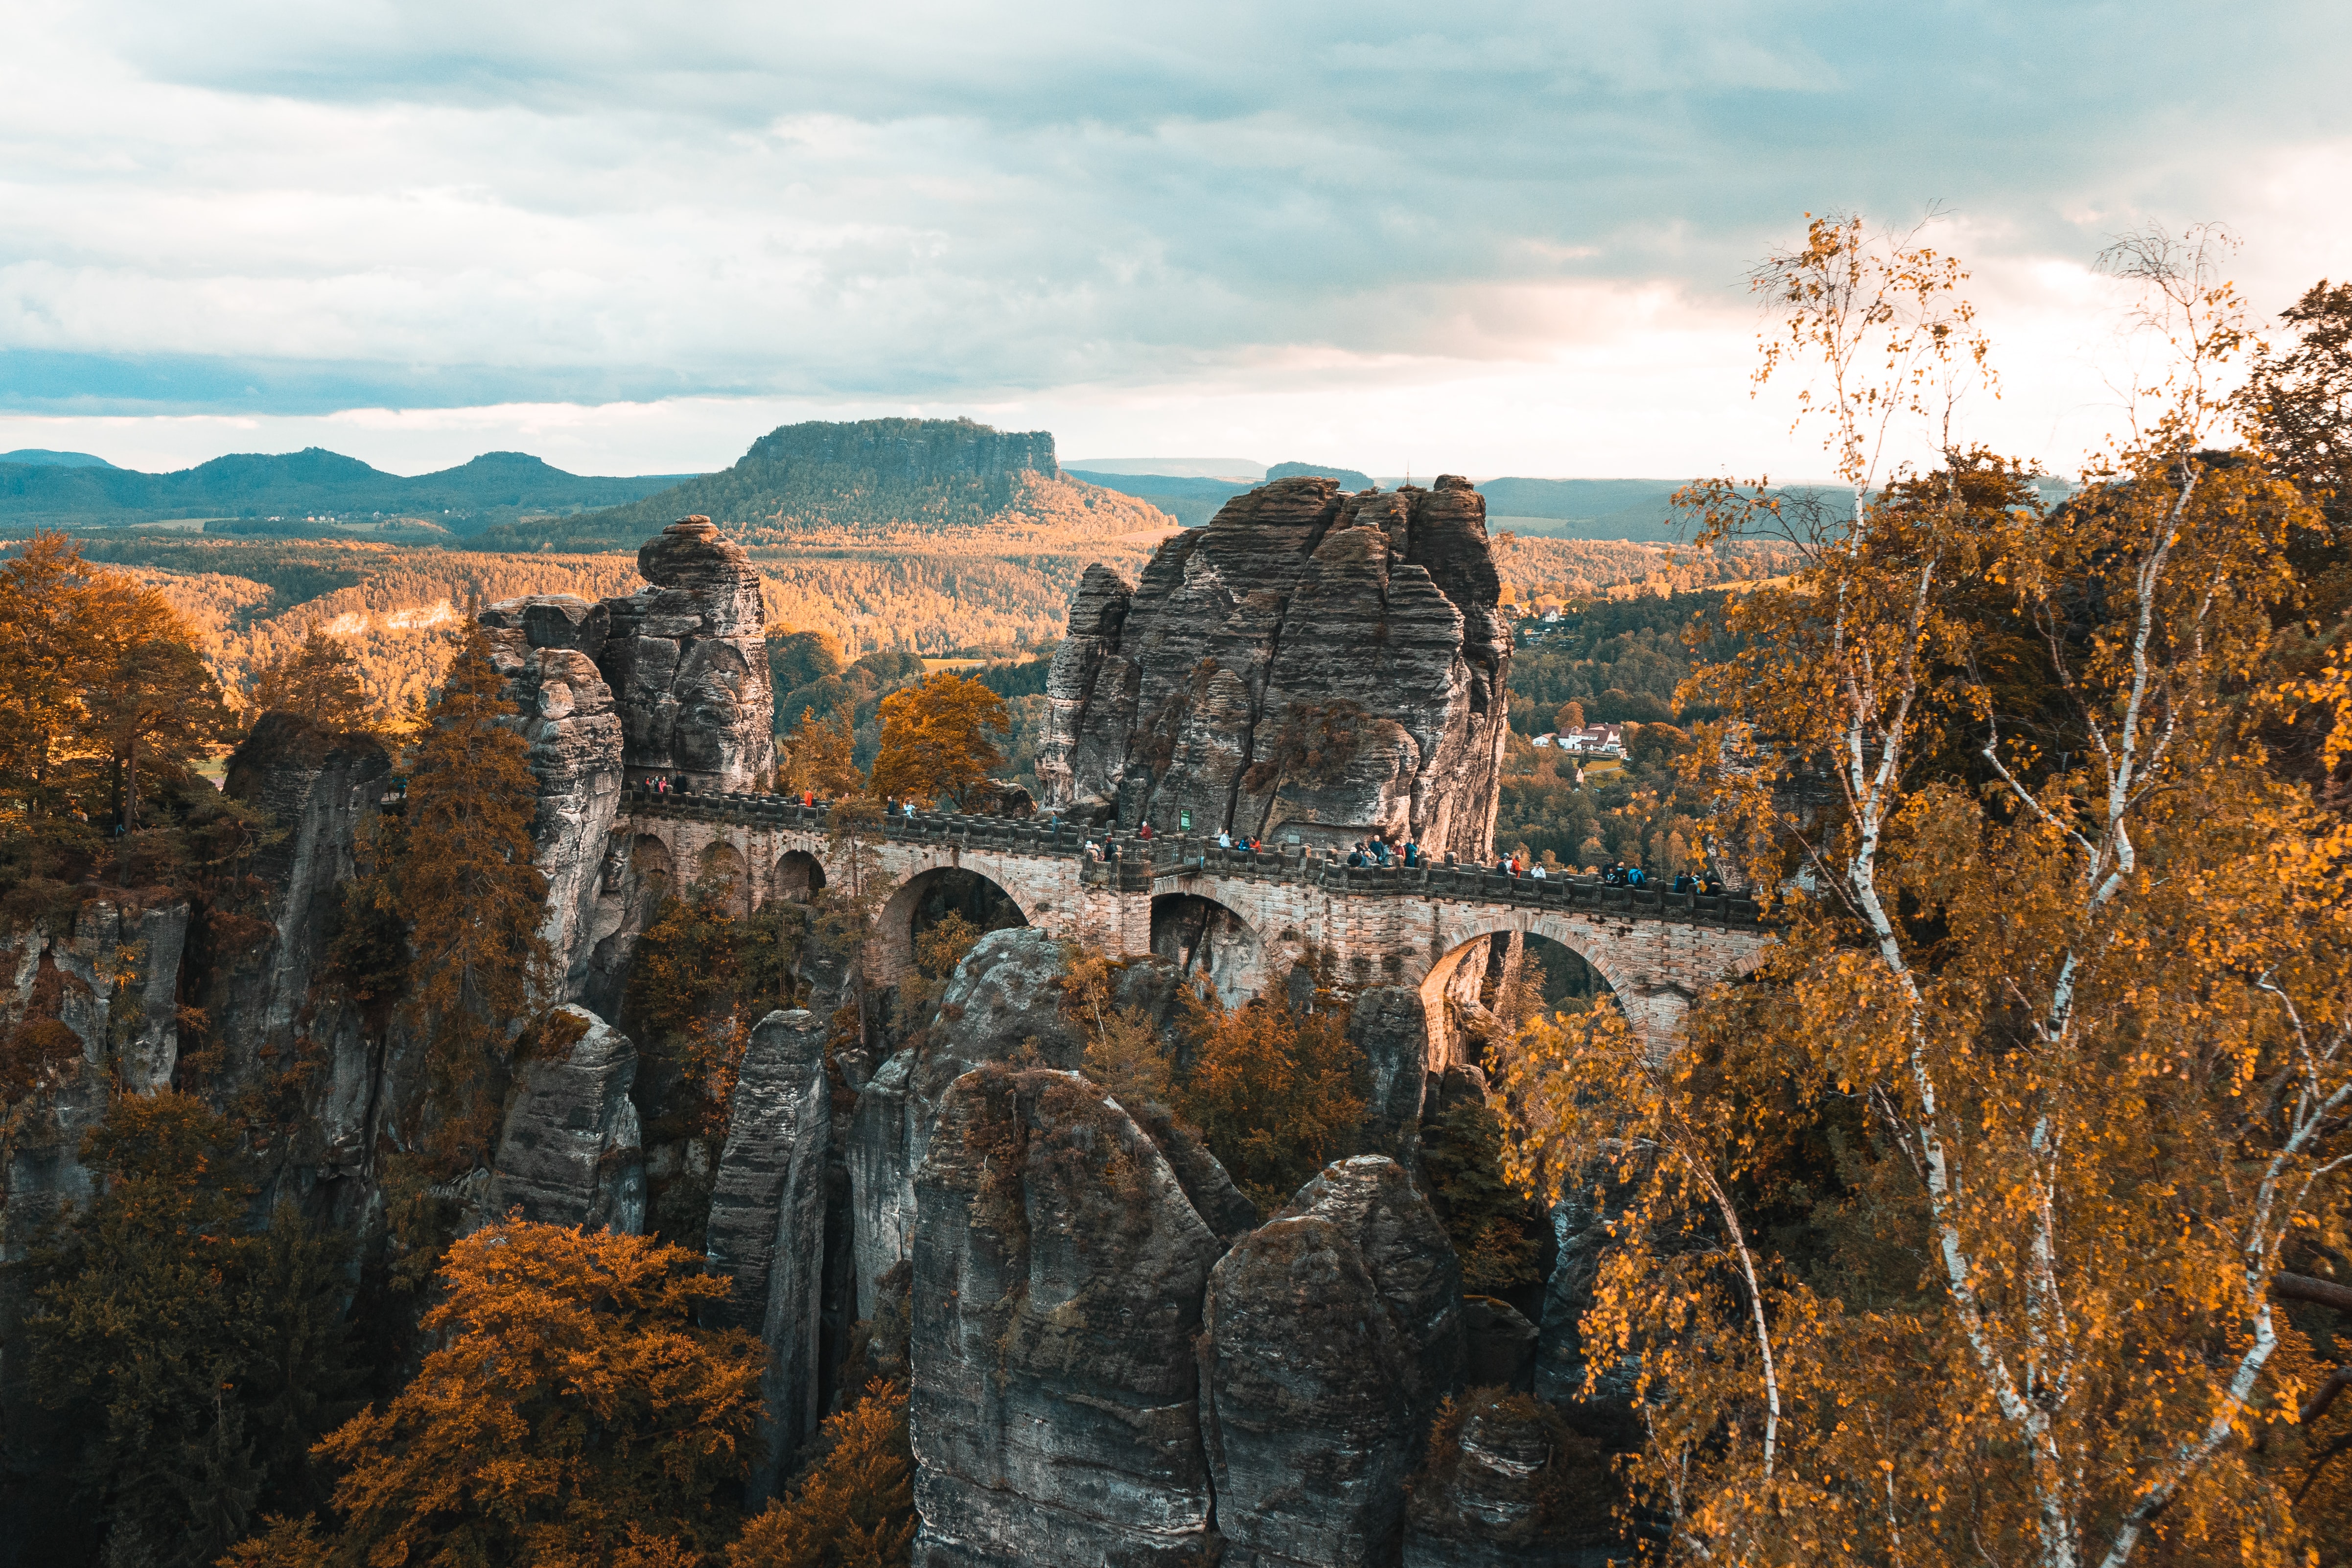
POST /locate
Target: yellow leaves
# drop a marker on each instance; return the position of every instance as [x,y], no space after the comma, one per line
[569,1407]
[935,738]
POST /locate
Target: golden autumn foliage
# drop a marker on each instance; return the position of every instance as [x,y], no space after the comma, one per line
[1953,1232]
[84,652]
[569,1413]
[318,681]
[821,758]
[936,740]
[1273,1092]
[855,1507]
[471,899]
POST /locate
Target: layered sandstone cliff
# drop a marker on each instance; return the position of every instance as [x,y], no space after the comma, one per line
[688,660]
[1311,664]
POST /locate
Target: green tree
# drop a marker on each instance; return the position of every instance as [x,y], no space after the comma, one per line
[936,742]
[318,681]
[189,1365]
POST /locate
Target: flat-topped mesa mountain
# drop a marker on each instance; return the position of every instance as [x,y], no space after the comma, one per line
[861,479]
[1312,664]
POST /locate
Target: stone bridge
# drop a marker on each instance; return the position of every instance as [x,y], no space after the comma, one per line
[1241,918]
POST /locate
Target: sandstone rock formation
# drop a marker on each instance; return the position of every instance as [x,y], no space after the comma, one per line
[80,1010]
[1509,1486]
[547,646]
[1331,1333]
[1498,1345]
[767,1223]
[1311,663]
[1580,1233]
[1000,998]
[323,791]
[672,679]
[1390,1024]
[687,659]
[570,1153]
[1058,1273]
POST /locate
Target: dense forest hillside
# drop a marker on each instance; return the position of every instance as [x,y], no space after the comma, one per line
[920,537]
[259,487]
[865,480]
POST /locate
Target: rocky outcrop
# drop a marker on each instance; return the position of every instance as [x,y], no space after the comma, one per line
[1331,1335]
[1498,1345]
[1000,999]
[1580,1235]
[322,792]
[1058,1275]
[688,662]
[81,1012]
[1390,1025]
[546,646]
[571,1153]
[1311,663]
[1508,1485]
[768,1225]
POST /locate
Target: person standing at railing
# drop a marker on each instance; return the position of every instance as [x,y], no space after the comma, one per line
[1144,832]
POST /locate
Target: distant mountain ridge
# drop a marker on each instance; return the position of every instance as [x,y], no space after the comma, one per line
[43,457]
[313,480]
[861,478]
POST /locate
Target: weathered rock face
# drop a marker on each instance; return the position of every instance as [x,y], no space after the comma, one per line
[546,646]
[1498,1343]
[1390,1025]
[1000,997]
[1580,1230]
[686,660]
[767,1223]
[1058,1274]
[324,791]
[1508,1486]
[571,1153]
[1311,663]
[87,1007]
[1331,1335]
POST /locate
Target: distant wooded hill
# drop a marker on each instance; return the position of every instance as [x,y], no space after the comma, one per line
[254,488]
[862,480]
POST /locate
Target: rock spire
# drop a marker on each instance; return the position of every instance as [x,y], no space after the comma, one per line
[1312,663]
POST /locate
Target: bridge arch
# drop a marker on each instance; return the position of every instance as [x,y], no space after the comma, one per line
[1634,960]
[656,871]
[928,897]
[722,875]
[799,877]
[1202,936]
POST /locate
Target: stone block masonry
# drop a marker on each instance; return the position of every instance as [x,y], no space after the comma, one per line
[1657,950]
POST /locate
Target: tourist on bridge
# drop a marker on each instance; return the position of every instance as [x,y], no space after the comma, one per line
[1224,839]
[1411,854]
[1145,831]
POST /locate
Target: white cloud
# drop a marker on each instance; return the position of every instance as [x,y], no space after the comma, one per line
[1512,230]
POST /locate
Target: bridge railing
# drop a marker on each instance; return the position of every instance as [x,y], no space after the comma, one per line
[1140,863]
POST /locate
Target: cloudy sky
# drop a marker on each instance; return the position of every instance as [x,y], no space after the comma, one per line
[1487,238]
